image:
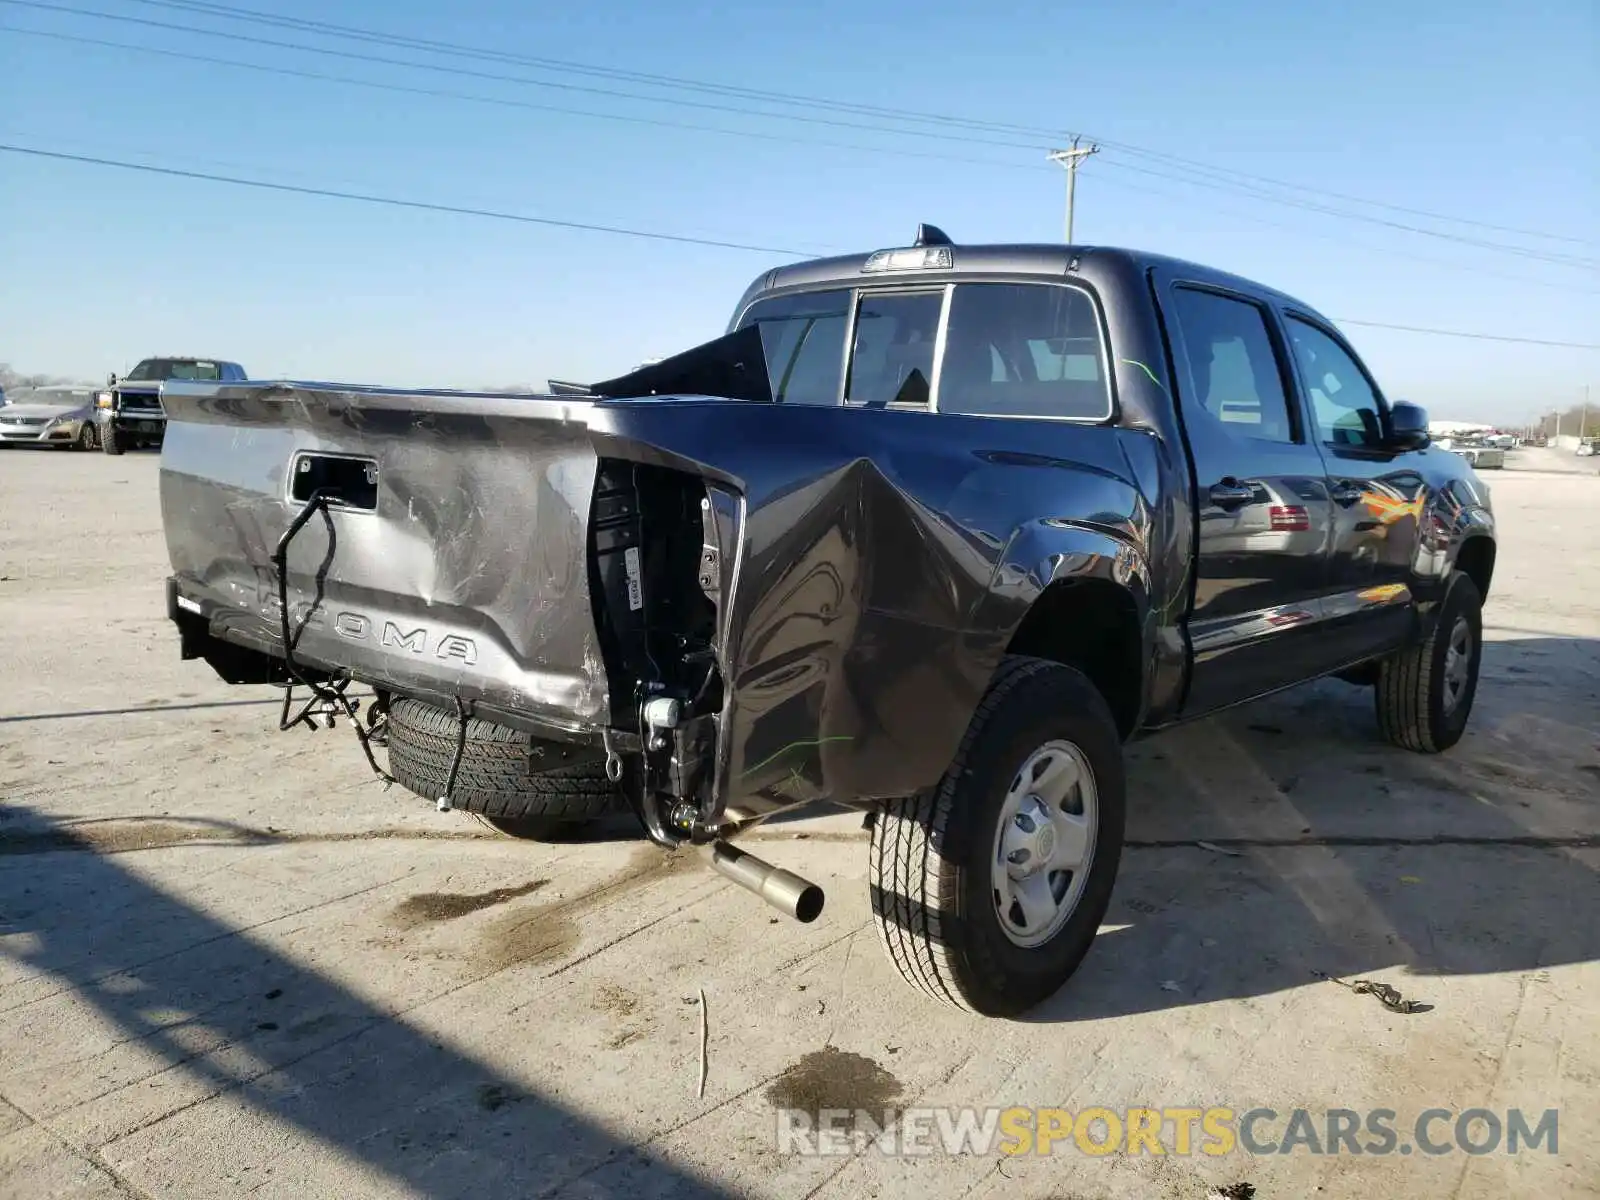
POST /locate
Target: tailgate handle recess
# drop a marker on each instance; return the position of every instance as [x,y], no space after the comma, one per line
[345,480]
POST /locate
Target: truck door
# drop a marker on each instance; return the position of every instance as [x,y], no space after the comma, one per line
[1265,519]
[1379,494]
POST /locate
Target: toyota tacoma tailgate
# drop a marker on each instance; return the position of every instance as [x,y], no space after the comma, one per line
[459,571]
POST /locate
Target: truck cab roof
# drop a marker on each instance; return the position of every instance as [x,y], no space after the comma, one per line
[953,262]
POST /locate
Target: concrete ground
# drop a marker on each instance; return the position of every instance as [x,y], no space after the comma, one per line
[231,963]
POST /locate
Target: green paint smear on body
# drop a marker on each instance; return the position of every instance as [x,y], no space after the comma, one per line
[771,758]
[1134,362]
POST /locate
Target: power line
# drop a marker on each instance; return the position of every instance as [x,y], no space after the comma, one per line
[450,48]
[522,80]
[505,102]
[1388,252]
[221,10]
[1479,337]
[567,66]
[396,202]
[1309,205]
[660,122]
[235,13]
[1222,174]
[461,210]
[462,196]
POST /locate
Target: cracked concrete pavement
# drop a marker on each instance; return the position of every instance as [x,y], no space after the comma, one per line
[232,963]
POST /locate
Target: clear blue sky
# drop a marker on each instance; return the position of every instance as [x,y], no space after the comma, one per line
[1483,111]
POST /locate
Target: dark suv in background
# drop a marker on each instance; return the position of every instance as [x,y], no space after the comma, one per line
[129,412]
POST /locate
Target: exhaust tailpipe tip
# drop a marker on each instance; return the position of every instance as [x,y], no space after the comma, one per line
[784,890]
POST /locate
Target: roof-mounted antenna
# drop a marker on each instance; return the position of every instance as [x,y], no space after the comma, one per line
[932,235]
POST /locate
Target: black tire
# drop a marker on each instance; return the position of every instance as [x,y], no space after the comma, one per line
[495,779]
[1423,705]
[85,439]
[934,882]
[110,439]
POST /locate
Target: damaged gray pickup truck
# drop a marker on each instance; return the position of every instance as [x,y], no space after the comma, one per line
[929,533]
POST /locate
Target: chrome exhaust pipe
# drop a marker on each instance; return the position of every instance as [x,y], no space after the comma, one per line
[784,890]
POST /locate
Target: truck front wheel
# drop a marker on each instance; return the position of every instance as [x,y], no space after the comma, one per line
[989,889]
[498,779]
[1425,690]
[111,438]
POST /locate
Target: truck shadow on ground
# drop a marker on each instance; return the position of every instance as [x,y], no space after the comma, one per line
[1285,839]
[1327,851]
[193,1007]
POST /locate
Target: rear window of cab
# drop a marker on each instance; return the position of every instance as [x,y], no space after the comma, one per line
[1008,349]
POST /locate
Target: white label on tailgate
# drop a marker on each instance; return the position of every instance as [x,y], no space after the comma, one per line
[630,564]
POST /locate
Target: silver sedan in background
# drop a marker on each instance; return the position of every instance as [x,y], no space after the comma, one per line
[53,415]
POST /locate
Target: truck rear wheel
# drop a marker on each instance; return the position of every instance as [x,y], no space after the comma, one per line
[1425,690]
[989,888]
[497,779]
[111,439]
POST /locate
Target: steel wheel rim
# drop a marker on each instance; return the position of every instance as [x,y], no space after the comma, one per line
[1457,664]
[1044,843]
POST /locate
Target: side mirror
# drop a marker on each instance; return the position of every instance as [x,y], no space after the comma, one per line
[111,379]
[1408,426]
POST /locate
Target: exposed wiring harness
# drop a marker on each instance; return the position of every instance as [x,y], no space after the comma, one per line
[329,697]
[455,760]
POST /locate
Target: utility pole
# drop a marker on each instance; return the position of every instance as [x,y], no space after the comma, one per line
[1070,160]
[1583,421]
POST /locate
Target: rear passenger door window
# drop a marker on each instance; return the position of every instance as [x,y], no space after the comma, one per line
[1233,371]
[1023,350]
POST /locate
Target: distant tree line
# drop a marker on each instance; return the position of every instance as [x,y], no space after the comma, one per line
[1570,420]
[15,380]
